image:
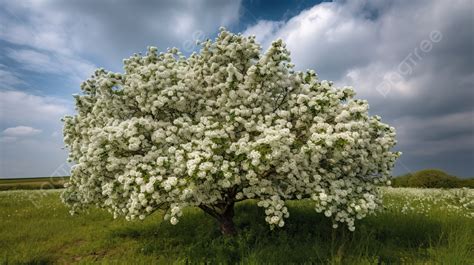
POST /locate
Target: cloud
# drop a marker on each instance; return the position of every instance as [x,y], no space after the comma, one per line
[110,31]
[53,40]
[359,43]
[20,131]
[438,135]
[20,154]
[319,37]
[264,30]
[7,139]
[31,157]
[17,107]
[9,79]
[10,135]
[54,63]
[417,83]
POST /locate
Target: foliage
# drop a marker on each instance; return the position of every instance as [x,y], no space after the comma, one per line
[431,178]
[224,125]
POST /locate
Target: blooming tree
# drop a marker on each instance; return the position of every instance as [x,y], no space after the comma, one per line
[221,126]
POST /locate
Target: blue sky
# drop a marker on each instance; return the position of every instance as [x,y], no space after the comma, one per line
[412,60]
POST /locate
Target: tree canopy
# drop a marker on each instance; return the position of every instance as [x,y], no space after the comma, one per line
[223,125]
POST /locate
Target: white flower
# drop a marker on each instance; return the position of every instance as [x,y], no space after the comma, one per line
[139,181]
[274,219]
[149,188]
[173,220]
[323,196]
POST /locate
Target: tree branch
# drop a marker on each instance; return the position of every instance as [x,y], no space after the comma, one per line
[209,211]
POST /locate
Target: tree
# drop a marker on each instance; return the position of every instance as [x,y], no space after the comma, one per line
[221,126]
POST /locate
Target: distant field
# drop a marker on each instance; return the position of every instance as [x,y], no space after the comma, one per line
[418,226]
[33,183]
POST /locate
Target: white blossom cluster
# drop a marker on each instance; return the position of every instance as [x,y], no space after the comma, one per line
[223,125]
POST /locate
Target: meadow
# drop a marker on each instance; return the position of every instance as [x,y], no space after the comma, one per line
[416,226]
[33,183]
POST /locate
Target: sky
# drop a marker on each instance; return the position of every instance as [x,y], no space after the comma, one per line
[412,60]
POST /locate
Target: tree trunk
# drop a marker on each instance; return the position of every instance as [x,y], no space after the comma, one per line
[224,216]
[226,223]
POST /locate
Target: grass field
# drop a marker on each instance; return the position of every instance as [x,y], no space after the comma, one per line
[33,183]
[417,226]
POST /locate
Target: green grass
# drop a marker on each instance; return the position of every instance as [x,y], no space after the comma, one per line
[35,228]
[33,183]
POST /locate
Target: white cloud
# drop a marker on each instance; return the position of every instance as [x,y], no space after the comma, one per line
[7,139]
[20,154]
[342,40]
[9,79]
[111,31]
[55,63]
[321,37]
[31,157]
[20,131]
[18,107]
[264,30]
